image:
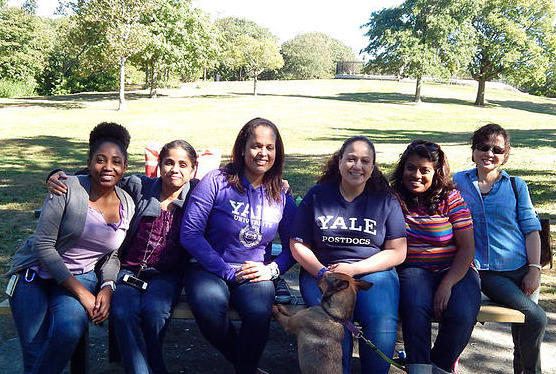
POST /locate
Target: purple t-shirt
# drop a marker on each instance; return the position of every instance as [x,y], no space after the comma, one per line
[164,251]
[341,231]
[97,240]
[222,226]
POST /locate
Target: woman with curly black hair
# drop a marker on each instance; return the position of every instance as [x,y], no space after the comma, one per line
[436,279]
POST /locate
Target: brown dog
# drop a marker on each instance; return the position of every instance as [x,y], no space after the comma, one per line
[319,332]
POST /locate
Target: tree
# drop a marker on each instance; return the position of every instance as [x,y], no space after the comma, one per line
[24,43]
[313,56]
[513,38]
[122,23]
[30,6]
[258,55]
[231,60]
[421,37]
[179,38]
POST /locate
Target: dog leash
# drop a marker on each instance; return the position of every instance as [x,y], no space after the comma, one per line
[358,334]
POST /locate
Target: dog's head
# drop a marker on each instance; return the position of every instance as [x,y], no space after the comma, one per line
[339,292]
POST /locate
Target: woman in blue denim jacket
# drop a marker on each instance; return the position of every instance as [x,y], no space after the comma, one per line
[507,241]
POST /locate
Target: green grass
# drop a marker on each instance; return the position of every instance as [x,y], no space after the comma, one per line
[314,117]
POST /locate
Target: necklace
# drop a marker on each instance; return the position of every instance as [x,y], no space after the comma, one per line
[143,265]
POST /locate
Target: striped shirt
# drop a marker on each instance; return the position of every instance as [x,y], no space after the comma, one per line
[430,238]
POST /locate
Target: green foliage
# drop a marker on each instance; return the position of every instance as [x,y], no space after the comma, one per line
[24,43]
[232,32]
[180,39]
[77,61]
[515,39]
[313,56]
[421,37]
[10,88]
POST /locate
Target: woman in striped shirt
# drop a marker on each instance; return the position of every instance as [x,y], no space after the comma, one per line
[437,280]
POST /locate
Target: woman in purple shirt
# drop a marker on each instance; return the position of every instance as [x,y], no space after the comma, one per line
[231,219]
[54,286]
[352,223]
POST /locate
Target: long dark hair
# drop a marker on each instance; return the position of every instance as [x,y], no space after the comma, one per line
[188,148]
[272,179]
[441,184]
[109,132]
[485,133]
[331,172]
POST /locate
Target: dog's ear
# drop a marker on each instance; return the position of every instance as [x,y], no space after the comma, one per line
[363,285]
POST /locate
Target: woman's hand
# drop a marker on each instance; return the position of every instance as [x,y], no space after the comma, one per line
[254,272]
[530,281]
[88,301]
[343,267]
[102,305]
[54,184]
[441,299]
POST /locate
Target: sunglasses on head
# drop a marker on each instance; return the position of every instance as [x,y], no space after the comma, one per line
[423,143]
[495,149]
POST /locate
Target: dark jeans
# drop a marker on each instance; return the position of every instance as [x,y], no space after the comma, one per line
[49,321]
[210,297]
[417,289]
[504,287]
[140,319]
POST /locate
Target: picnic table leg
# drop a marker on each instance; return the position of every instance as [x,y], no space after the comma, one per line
[80,358]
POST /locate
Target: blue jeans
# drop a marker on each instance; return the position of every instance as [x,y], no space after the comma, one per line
[140,318]
[417,289]
[49,321]
[210,296]
[376,310]
[504,287]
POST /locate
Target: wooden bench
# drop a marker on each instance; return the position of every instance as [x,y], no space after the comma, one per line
[489,312]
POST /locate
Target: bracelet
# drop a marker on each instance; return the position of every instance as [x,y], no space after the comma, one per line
[535,266]
[110,283]
[274,270]
[321,272]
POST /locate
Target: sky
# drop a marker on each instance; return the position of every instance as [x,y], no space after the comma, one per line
[286,18]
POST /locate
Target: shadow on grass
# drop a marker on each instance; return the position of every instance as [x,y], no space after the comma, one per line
[519,138]
[544,108]
[371,97]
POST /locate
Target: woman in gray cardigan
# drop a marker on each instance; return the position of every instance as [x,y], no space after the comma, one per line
[56,273]
[152,259]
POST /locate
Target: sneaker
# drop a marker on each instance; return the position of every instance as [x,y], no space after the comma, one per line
[282,291]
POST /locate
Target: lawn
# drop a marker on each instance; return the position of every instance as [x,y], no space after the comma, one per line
[314,117]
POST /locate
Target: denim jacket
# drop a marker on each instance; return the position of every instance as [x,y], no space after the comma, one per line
[499,233]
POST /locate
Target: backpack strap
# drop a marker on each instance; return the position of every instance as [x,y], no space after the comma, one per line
[514,188]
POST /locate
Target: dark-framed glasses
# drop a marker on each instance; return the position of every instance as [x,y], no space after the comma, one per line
[487,147]
[423,143]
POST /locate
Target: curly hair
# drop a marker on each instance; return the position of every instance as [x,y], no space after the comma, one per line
[109,132]
[441,184]
[188,148]
[272,179]
[331,172]
[487,132]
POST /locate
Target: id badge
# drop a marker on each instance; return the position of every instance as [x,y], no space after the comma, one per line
[11,284]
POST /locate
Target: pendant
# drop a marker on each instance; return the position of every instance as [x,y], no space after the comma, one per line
[250,236]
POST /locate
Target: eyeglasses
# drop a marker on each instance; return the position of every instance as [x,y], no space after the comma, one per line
[486,147]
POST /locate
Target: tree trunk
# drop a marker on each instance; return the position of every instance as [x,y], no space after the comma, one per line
[480,100]
[254,84]
[418,85]
[123,105]
[147,76]
[154,81]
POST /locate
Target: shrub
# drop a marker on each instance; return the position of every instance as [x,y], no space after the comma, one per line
[9,88]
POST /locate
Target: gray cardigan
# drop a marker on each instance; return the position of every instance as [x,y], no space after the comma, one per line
[60,225]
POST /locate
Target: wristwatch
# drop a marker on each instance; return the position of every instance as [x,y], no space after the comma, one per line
[110,283]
